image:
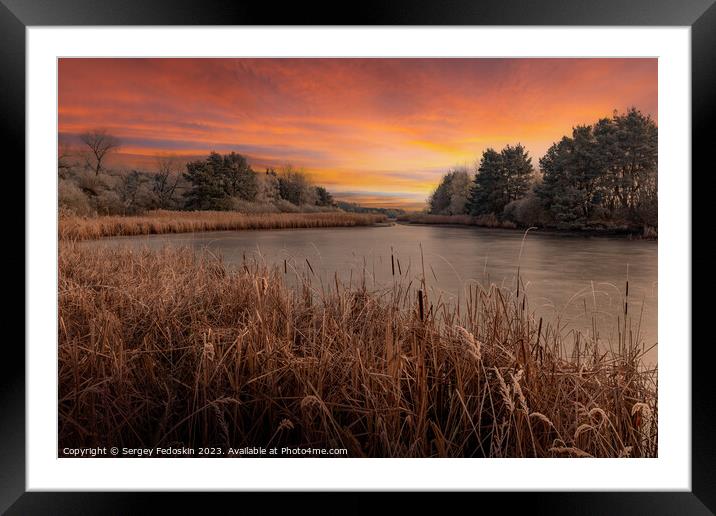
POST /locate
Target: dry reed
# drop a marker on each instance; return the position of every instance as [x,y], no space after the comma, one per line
[171,347]
[72,227]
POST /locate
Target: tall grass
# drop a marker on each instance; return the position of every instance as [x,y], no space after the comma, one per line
[170,347]
[72,227]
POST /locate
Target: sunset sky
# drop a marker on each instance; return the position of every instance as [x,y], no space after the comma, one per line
[380,132]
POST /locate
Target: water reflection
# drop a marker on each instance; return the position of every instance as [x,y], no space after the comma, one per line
[572,279]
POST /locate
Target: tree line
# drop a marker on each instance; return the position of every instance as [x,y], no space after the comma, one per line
[603,175]
[218,182]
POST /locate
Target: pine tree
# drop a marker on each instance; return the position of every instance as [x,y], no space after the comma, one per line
[517,167]
[633,145]
[217,179]
[237,177]
[603,172]
[488,186]
[500,179]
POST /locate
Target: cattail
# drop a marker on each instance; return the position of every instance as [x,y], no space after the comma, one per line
[539,330]
[420,305]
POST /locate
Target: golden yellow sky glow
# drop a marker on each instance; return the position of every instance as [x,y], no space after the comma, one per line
[380,132]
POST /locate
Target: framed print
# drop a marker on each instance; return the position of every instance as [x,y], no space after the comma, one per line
[430,249]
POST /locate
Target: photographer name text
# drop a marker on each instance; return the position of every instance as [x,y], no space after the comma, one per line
[183,451]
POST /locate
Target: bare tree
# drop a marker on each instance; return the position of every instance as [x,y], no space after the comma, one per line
[166,180]
[64,155]
[295,186]
[100,143]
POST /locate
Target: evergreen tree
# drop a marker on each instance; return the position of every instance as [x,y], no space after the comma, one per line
[603,172]
[217,179]
[500,179]
[630,144]
[573,172]
[205,189]
[439,200]
[552,190]
[237,177]
[323,197]
[517,167]
[488,185]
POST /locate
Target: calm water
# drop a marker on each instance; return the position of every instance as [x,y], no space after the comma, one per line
[572,278]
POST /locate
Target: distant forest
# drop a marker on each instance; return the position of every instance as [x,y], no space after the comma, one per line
[603,175]
[218,182]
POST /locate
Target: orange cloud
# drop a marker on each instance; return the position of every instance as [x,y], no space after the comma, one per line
[357,125]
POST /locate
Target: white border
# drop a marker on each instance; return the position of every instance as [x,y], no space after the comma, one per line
[672,470]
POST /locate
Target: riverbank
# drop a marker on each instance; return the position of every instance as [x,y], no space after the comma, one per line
[492,222]
[171,347]
[72,227]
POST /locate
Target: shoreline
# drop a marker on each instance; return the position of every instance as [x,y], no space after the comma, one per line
[168,222]
[629,235]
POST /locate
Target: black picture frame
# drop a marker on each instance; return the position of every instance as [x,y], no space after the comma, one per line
[17,15]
